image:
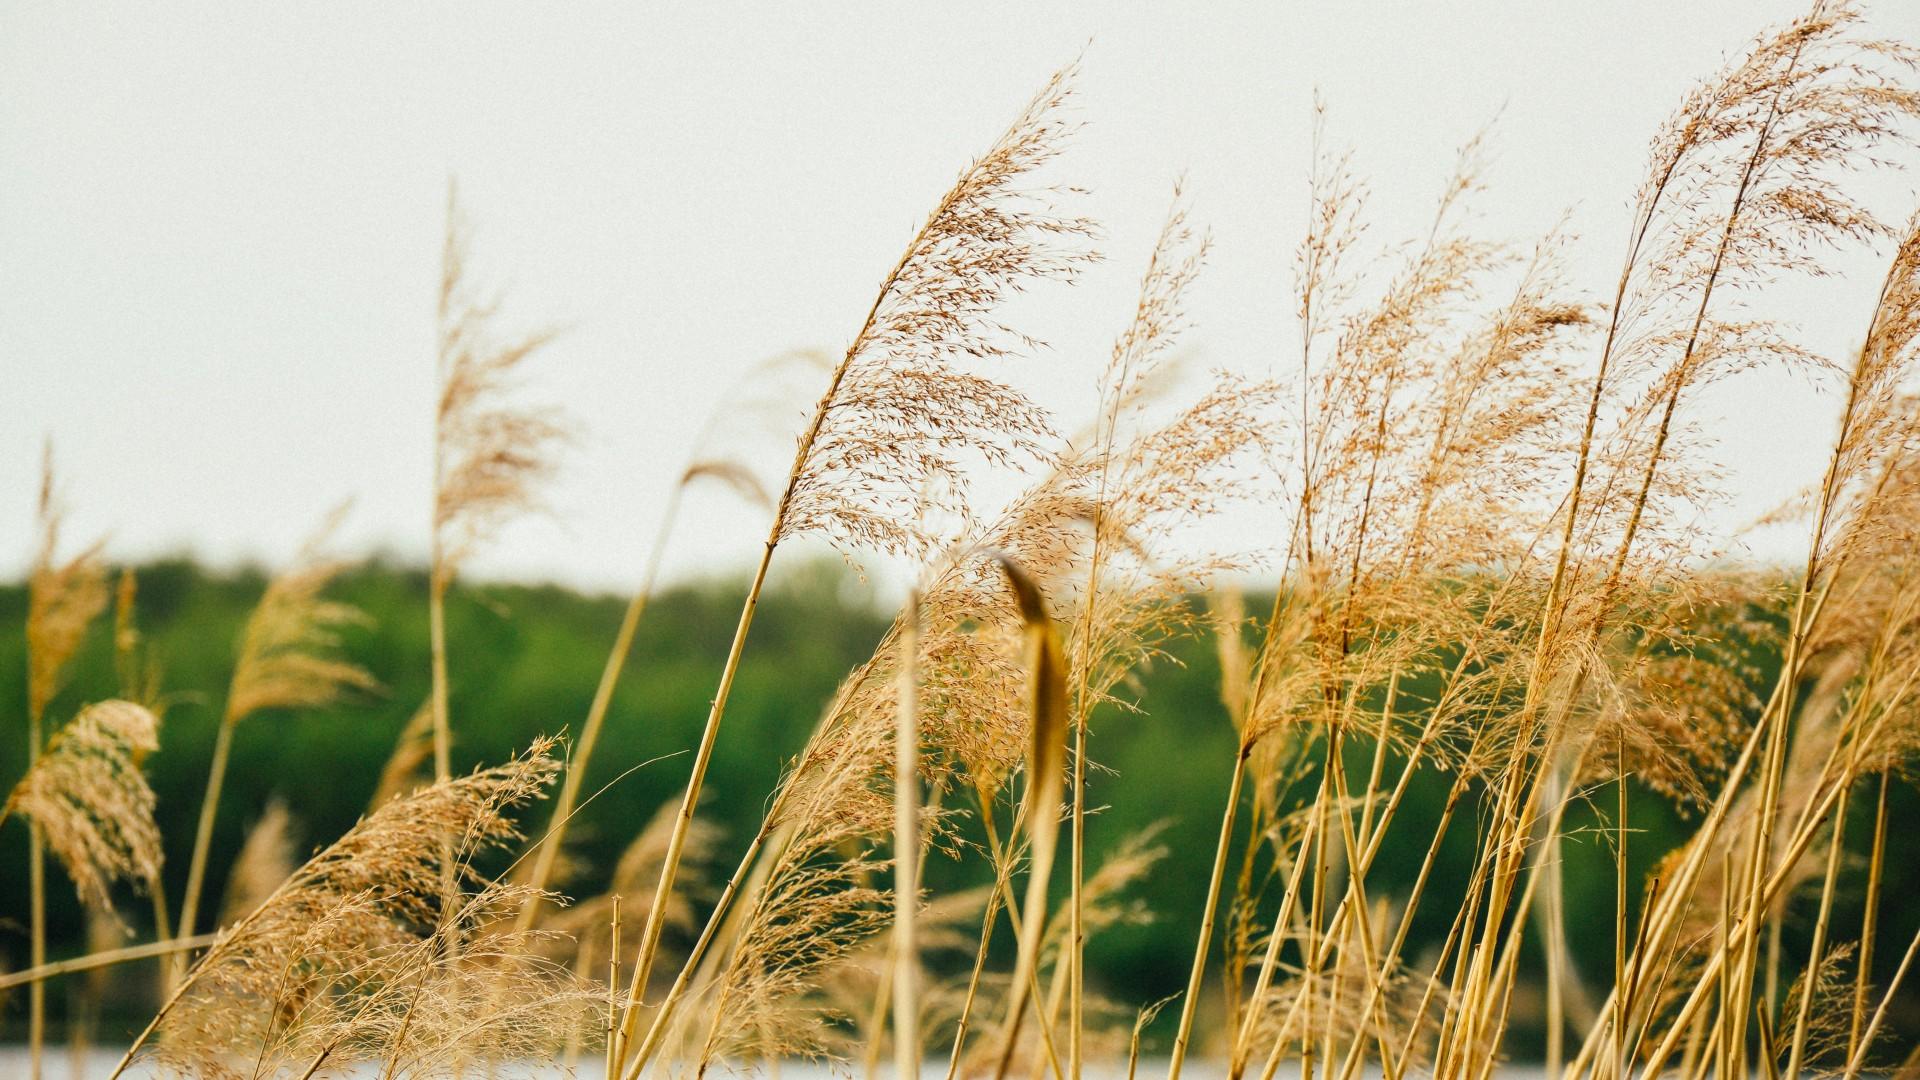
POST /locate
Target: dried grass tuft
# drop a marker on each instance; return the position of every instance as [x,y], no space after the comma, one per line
[92,802]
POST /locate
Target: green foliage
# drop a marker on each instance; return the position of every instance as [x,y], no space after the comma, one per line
[525,660]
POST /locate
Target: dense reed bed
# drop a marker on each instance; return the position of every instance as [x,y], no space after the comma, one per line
[1493,575]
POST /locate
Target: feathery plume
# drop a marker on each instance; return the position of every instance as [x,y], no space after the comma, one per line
[900,409]
[355,933]
[63,598]
[898,413]
[289,659]
[289,656]
[490,454]
[91,801]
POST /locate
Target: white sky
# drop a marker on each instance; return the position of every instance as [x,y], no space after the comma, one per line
[220,224]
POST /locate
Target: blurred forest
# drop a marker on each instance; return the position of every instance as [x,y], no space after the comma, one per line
[525,659]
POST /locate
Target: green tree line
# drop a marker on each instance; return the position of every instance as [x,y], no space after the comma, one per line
[524,660]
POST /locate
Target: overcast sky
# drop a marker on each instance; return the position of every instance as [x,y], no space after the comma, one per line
[220,224]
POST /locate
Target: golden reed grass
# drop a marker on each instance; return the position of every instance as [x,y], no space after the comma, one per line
[1493,577]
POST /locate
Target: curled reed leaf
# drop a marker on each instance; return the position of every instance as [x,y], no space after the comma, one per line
[1047,745]
[1046,767]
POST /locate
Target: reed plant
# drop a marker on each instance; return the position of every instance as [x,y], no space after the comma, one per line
[1493,581]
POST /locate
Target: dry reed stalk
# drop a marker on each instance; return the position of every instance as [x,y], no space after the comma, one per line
[1816,952]
[1191,999]
[818,904]
[1157,321]
[63,598]
[1776,168]
[1003,861]
[613,971]
[549,845]
[723,923]
[906,853]
[1821,804]
[925,933]
[842,755]
[1870,910]
[896,410]
[1144,1017]
[1449,597]
[702,467]
[94,961]
[490,454]
[1001,882]
[1868,428]
[348,955]
[1858,1057]
[289,659]
[1103,905]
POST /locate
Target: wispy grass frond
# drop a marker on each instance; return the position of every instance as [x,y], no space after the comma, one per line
[290,653]
[365,927]
[63,599]
[903,411]
[491,452]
